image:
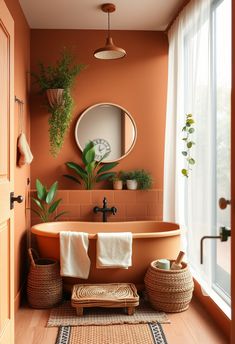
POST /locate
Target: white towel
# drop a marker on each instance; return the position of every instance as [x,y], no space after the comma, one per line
[26,156]
[114,250]
[74,260]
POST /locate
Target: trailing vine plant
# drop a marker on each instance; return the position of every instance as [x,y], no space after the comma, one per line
[60,76]
[188,130]
[59,122]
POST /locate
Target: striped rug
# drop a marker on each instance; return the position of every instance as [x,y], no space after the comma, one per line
[112,334]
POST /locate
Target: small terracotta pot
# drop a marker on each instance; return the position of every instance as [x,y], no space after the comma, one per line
[117,184]
[131,184]
[55,96]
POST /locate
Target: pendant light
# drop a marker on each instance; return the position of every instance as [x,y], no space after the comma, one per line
[109,51]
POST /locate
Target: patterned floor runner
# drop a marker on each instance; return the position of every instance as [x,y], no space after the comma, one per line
[112,334]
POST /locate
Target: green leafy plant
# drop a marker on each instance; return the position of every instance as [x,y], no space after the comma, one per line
[60,76]
[188,129]
[118,176]
[92,172]
[143,178]
[45,203]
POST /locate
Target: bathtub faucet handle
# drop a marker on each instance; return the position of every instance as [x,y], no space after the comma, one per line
[105,210]
[114,210]
[104,202]
[96,210]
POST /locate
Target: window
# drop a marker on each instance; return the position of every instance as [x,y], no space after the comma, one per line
[207,90]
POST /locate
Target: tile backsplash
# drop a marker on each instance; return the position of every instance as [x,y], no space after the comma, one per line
[131,205]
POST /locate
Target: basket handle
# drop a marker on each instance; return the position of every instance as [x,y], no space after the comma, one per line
[32,251]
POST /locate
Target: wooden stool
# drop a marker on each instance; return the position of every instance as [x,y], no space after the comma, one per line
[110,295]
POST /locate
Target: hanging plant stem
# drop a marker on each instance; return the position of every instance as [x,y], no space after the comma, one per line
[188,130]
[59,121]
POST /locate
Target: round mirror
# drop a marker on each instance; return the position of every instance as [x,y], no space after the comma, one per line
[110,127]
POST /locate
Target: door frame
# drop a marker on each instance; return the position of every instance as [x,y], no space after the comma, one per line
[233,179]
[7,22]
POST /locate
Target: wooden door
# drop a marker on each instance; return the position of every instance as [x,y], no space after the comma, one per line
[6,175]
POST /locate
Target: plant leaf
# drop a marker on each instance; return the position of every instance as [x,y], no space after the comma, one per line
[60,214]
[72,178]
[189,122]
[38,203]
[54,206]
[78,169]
[107,167]
[90,167]
[191,161]
[185,153]
[189,144]
[41,190]
[90,155]
[100,161]
[88,146]
[184,172]
[51,193]
[105,176]
[36,212]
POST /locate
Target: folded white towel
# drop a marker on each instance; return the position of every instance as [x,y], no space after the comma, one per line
[114,250]
[74,260]
[26,156]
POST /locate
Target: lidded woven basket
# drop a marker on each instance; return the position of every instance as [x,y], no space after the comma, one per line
[169,290]
[44,284]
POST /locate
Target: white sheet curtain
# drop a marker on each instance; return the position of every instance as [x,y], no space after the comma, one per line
[190,201]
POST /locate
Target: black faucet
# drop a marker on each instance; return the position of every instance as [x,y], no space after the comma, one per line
[105,210]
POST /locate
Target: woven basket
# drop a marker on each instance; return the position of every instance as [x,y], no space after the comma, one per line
[169,290]
[44,284]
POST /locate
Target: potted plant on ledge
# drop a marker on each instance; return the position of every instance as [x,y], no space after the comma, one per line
[117,180]
[138,179]
[57,81]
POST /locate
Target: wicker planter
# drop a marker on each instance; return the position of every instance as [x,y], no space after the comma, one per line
[169,290]
[55,96]
[44,284]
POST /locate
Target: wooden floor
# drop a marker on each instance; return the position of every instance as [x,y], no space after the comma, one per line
[189,327]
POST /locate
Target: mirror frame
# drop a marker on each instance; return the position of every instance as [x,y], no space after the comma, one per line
[120,107]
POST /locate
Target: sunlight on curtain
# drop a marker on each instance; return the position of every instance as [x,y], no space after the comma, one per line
[190,201]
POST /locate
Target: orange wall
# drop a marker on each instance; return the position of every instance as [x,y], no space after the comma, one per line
[22,62]
[137,82]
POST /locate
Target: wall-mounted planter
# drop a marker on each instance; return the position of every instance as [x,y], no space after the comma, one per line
[55,96]
[131,184]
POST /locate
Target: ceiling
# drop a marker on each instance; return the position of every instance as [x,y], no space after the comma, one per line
[150,15]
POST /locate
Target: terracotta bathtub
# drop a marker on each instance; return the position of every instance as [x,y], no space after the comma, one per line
[151,240]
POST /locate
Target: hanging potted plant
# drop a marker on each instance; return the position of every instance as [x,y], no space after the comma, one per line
[57,81]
